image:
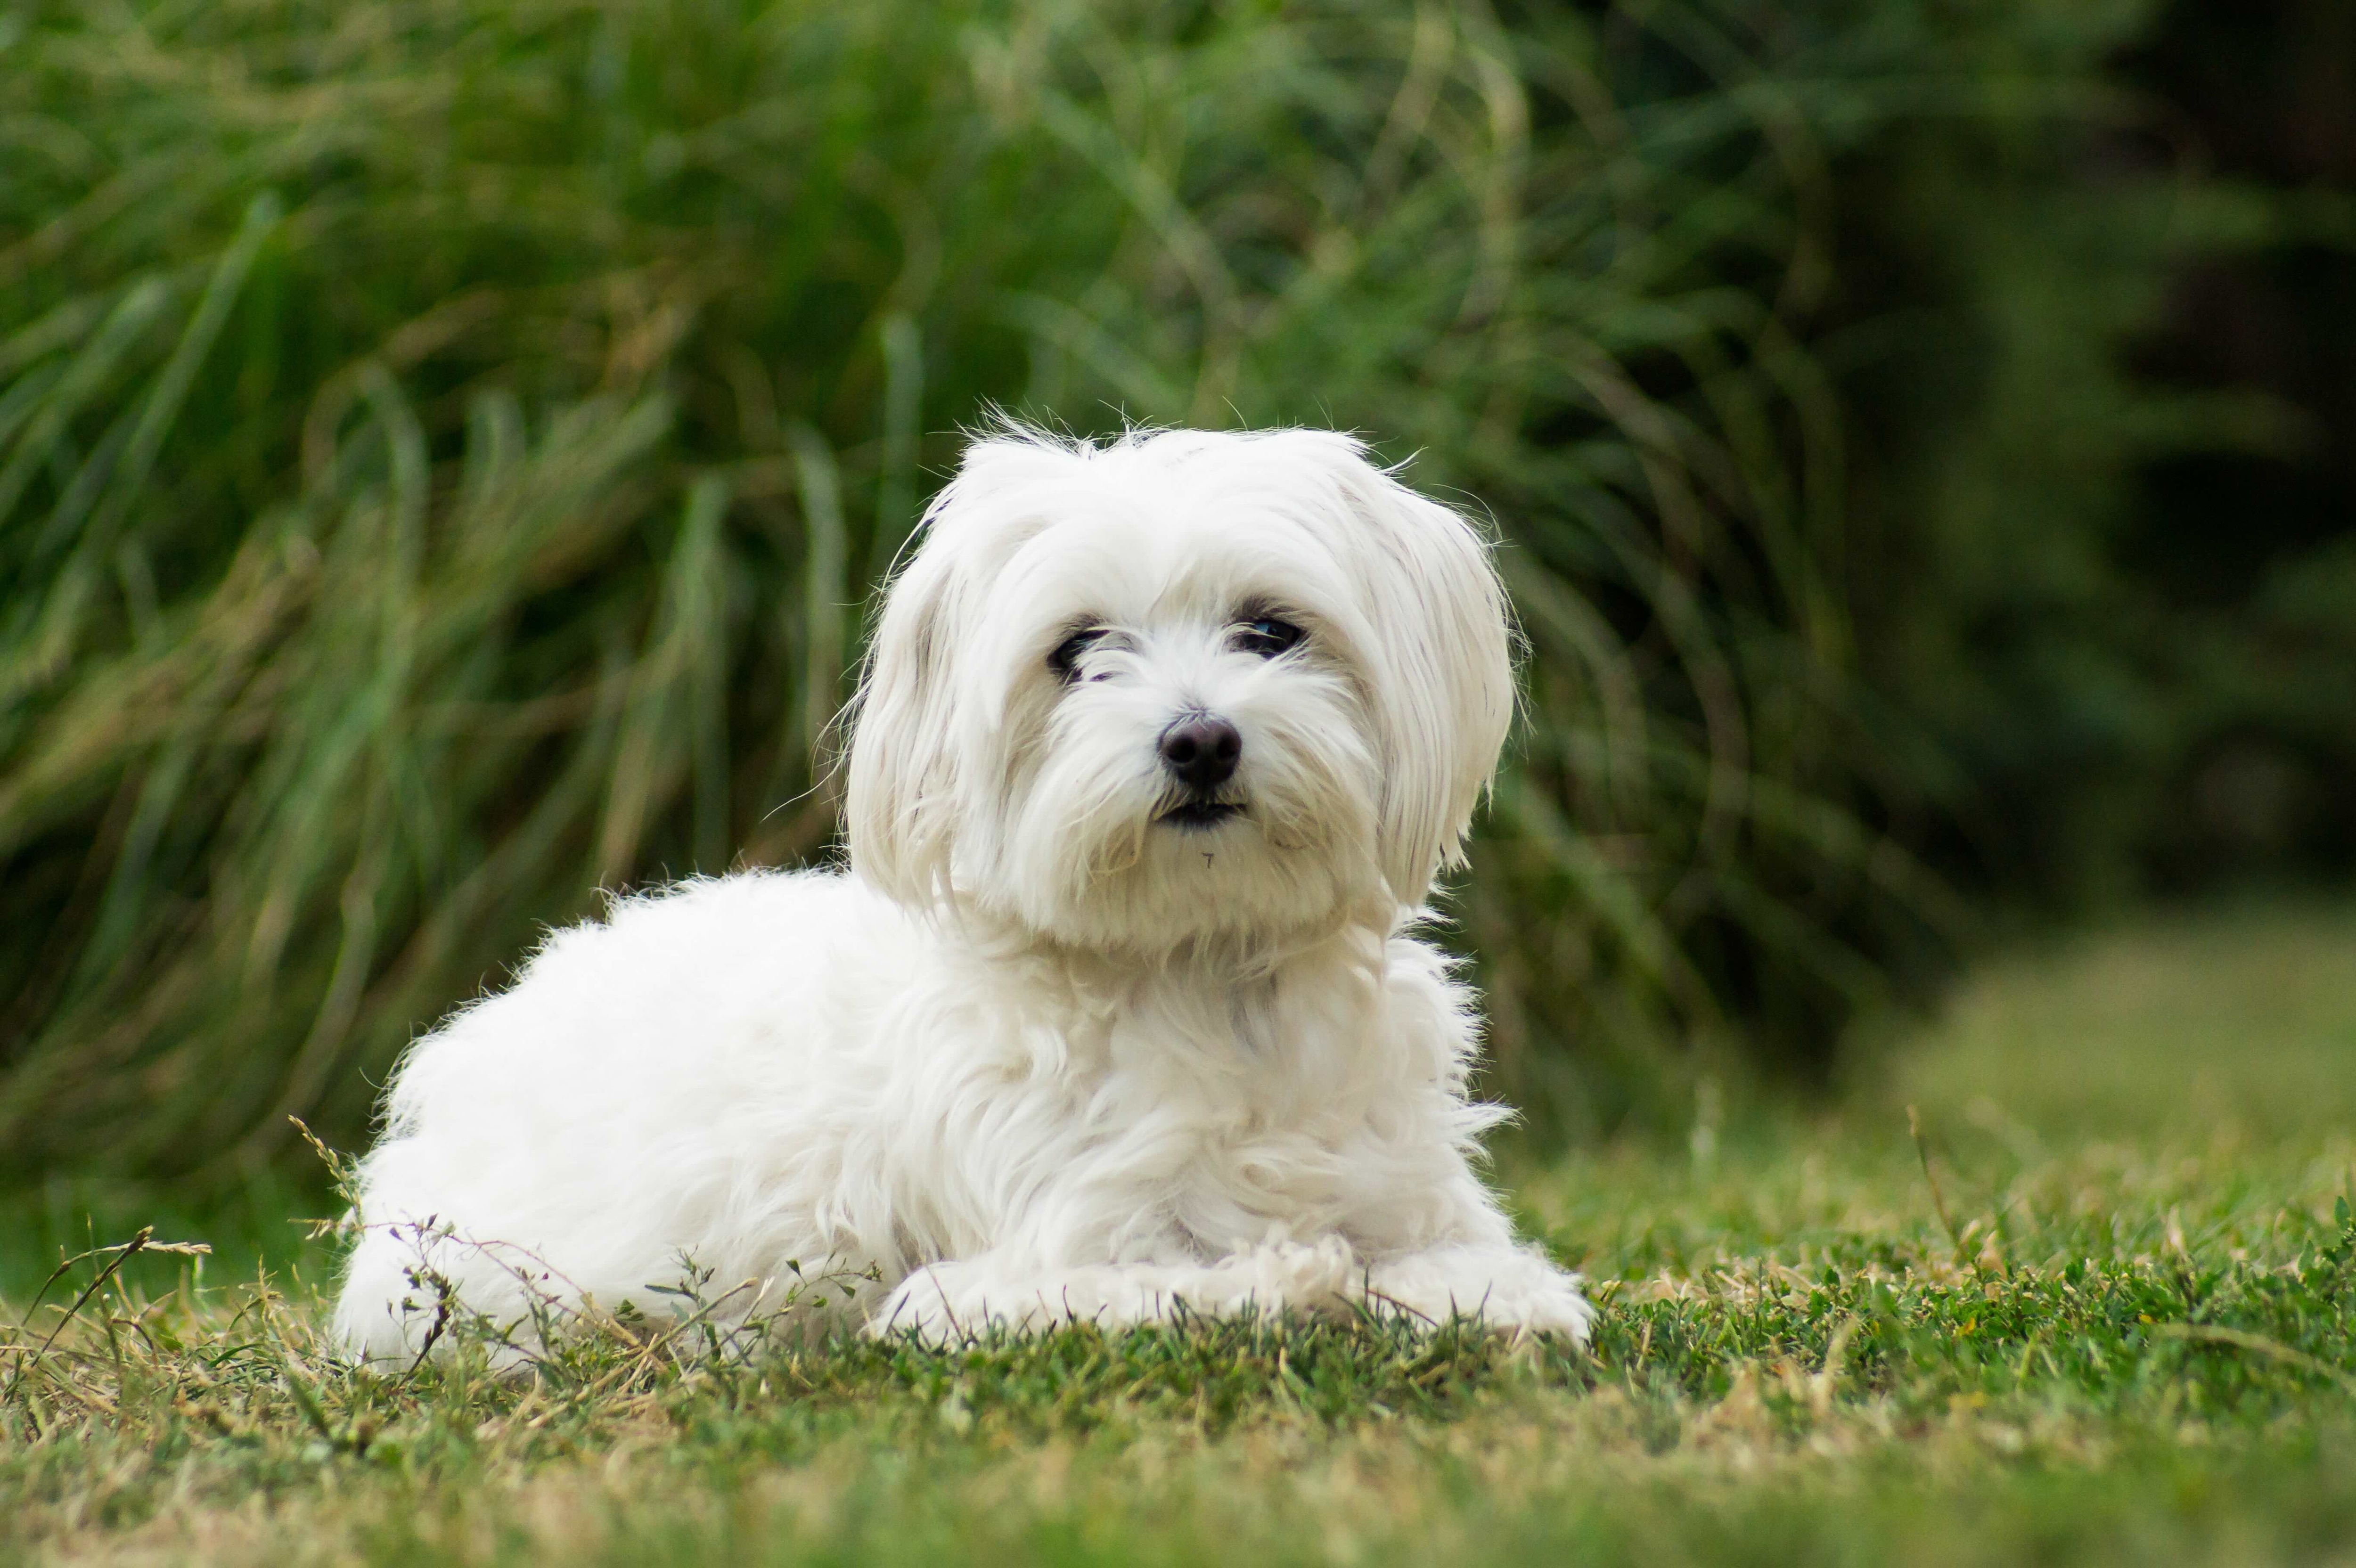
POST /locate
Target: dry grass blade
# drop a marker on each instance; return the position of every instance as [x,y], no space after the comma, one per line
[115,1256]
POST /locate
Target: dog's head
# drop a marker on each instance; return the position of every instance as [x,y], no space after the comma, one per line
[1185,688]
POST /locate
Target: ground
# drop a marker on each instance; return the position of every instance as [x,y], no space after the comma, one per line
[2099,1310]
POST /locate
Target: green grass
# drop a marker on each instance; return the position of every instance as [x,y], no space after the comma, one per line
[2129,1338]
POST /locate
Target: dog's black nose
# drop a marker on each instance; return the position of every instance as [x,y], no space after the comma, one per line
[1202,751]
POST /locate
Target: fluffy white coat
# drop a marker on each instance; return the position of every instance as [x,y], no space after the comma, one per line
[1087,1030]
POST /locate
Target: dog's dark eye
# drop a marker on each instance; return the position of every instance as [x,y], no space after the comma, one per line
[1269,638]
[1066,660]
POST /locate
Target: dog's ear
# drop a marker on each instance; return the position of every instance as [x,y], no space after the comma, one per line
[916,729]
[900,810]
[1440,666]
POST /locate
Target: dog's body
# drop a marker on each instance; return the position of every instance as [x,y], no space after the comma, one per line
[1118,1012]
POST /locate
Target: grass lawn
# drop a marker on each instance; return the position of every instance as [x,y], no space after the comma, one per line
[2130,1338]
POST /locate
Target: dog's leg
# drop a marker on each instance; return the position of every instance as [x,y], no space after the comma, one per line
[945,1302]
[1508,1287]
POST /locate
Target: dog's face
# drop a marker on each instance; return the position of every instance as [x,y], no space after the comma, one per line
[1187,688]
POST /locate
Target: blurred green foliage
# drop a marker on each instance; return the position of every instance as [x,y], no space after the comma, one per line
[2111,427]
[447,449]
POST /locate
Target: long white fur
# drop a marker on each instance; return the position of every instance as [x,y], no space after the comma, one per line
[1038,1054]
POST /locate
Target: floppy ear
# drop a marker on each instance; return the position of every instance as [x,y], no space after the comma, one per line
[905,801]
[900,810]
[1441,667]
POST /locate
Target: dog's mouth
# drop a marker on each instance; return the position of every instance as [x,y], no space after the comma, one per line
[1199,816]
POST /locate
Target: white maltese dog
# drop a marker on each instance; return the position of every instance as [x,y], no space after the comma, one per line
[1119,1013]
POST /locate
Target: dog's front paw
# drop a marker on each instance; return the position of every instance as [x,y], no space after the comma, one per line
[1556,1307]
[941,1305]
[1276,1276]
[946,1303]
[1505,1288]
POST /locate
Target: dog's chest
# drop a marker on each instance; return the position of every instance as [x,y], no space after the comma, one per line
[1225,1119]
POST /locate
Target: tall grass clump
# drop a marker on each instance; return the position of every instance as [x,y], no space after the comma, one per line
[448,447]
